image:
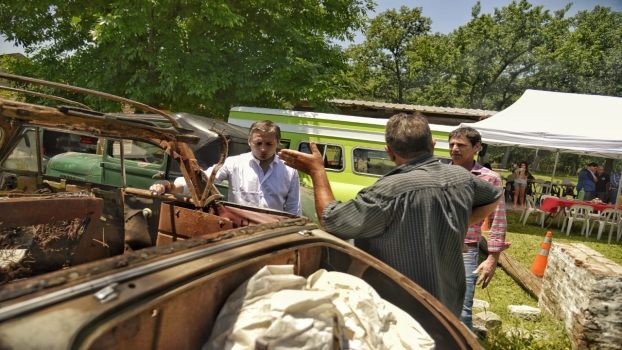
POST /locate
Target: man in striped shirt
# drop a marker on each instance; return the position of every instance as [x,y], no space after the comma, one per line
[414,218]
[613,186]
[464,143]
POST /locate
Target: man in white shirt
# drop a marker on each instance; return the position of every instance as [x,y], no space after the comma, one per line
[257,178]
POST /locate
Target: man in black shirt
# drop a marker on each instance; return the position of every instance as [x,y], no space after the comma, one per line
[602,186]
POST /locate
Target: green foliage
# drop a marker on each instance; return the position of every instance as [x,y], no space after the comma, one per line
[196,56]
[489,57]
[382,61]
[585,57]
[489,62]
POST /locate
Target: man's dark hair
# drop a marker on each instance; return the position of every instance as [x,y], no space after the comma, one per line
[409,136]
[593,164]
[265,126]
[471,134]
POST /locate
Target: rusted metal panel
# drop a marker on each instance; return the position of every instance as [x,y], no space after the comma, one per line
[188,295]
[85,272]
[37,209]
[97,123]
[308,260]
[52,231]
[38,94]
[185,223]
[134,331]
[26,184]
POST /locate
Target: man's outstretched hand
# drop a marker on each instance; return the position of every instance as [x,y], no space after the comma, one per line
[159,188]
[307,163]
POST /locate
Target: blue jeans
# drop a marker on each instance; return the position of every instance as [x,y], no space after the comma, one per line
[470,265]
[612,195]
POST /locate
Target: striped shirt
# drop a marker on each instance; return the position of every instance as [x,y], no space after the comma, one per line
[615,180]
[415,219]
[498,223]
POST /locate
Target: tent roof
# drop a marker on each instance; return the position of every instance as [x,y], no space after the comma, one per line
[575,123]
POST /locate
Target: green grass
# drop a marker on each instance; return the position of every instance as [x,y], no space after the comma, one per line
[504,291]
[545,176]
[526,239]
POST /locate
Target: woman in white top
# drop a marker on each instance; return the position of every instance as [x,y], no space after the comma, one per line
[520,183]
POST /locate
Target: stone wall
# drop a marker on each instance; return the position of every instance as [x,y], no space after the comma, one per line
[584,289]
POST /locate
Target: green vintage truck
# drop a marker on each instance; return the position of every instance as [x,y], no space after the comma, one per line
[99,160]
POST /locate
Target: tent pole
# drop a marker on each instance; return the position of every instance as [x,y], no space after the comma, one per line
[615,212]
[554,168]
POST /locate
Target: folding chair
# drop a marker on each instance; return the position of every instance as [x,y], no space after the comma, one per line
[606,217]
[530,207]
[578,213]
[567,189]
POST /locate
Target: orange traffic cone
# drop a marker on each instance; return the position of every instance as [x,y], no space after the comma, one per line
[543,256]
[485,225]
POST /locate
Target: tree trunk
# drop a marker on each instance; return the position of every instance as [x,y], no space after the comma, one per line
[523,276]
[530,282]
[535,163]
[506,156]
[608,165]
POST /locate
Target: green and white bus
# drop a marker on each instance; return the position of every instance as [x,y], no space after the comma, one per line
[353,147]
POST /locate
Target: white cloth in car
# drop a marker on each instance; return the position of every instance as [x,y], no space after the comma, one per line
[329,310]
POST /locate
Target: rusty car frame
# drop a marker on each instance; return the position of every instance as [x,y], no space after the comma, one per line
[113,267]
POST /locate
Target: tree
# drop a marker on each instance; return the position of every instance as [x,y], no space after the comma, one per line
[382,59]
[196,56]
[497,51]
[587,57]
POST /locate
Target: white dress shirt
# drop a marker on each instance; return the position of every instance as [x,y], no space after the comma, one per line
[278,188]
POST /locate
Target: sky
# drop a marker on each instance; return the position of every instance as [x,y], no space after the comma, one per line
[446,15]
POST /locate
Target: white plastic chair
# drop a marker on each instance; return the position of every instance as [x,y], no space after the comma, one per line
[606,217]
[563,213]
[578,213]
[538,189]
[530,207]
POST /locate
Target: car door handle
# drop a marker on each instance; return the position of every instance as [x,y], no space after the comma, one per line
[158,174]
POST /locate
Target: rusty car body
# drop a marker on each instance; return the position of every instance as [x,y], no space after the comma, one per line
[113,267]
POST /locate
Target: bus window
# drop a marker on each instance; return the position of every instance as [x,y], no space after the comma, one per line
[333,154]
[369,161]
[284,144]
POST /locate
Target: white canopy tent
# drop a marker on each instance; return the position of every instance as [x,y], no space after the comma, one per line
[560,122]
[575,123]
